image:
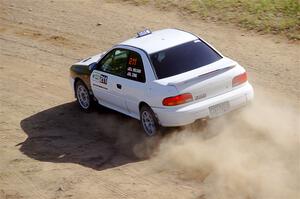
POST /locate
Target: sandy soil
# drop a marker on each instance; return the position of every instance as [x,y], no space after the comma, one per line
[50,149]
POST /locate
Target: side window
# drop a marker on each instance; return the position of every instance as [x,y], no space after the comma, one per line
[106,63]
[115,62]
[123,63]
[135,68]
[120,62]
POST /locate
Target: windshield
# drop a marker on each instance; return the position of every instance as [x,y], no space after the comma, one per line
[183,58]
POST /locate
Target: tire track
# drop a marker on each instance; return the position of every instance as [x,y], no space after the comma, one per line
[25,186]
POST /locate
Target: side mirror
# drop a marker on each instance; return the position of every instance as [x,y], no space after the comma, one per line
[92,66]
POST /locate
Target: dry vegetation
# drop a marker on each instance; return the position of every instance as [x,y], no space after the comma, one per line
[266,16]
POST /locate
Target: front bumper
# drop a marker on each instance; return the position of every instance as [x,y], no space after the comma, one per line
[183,115]
[72,83]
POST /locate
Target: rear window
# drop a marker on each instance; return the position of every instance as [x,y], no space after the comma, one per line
[183,58]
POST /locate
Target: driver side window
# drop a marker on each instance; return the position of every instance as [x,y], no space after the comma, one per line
[115,62]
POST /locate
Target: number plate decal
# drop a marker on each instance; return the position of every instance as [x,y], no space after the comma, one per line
[219,109]
[99,80]
[103,79]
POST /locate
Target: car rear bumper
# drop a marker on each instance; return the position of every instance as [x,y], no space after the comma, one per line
[183,115]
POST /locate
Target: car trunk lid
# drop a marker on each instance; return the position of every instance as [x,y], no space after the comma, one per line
[205,82]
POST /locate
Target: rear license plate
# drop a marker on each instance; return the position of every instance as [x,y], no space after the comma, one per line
[219,109]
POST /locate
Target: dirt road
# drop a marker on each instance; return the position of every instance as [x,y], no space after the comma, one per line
[50,149]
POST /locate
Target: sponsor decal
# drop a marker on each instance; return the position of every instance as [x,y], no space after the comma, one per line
[100,86]
[96,76]
[202,95]
[134,75]
[137,70]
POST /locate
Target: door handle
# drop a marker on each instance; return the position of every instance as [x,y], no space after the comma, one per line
[119,86]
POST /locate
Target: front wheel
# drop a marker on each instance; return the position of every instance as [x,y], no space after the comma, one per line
[83,97]
[149,121]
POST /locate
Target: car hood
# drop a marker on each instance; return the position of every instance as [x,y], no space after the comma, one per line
[90,60]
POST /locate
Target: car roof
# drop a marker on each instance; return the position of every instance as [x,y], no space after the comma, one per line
[160,40]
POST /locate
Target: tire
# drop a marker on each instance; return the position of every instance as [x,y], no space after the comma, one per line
[83,97]
[149,121]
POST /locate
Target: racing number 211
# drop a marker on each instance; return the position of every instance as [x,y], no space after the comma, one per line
[132,61]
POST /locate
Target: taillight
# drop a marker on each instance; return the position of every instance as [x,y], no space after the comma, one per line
[237,80]
[179,99]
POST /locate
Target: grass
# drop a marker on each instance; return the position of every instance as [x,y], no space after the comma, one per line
[267,16]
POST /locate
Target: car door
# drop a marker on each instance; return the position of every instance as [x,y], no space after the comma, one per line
[135,87]
[108,78]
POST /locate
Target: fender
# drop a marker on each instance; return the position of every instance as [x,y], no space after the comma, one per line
[84,68]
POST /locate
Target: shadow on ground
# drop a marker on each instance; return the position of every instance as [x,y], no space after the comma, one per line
[99,140]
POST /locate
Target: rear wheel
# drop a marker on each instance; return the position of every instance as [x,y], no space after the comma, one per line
[149,121]
[84,99]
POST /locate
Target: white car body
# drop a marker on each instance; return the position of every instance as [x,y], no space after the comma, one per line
[210,85]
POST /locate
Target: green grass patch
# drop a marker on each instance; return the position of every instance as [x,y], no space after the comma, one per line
[267,16]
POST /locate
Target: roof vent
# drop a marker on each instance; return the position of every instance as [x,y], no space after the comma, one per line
[143,33]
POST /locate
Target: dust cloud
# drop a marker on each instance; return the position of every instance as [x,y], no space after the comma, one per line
[250,154]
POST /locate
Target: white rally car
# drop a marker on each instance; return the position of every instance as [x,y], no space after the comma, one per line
[164,78]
